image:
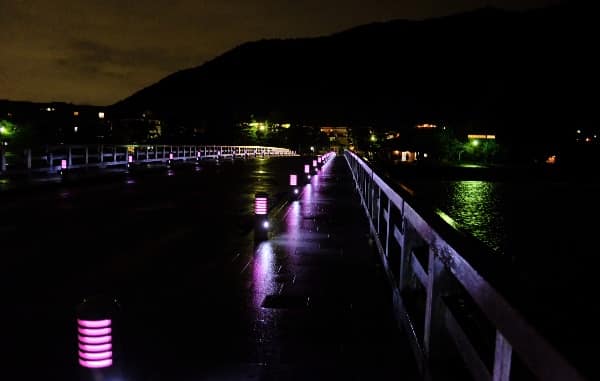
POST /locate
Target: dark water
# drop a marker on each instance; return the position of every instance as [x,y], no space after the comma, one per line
[548,231]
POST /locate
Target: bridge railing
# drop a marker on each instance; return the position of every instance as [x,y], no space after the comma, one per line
[51,158]
[448,308]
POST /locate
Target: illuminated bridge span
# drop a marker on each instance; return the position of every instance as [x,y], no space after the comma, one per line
[55,158]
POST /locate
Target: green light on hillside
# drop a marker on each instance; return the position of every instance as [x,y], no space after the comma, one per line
[6,128]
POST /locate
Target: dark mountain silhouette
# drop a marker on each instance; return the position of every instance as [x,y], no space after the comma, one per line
[524,74]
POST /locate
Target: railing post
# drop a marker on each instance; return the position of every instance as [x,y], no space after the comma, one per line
[114,154]
[434,307]
[408,243]
[147,153]
[101,153]
[50,160]
[502,359]
[28,158]
[87,155]
[69,156]
[2,159]
[378,207]
[388,222]
[164,152]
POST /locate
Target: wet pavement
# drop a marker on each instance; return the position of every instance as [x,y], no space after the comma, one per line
[200,298]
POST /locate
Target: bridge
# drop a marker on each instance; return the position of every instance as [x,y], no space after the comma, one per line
[353,280]
[54,158]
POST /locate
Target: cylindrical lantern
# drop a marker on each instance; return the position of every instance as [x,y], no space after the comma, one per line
[97,348]
[307,169]
[130,159]
[261,220]
[261,204]
[95,343]
[171,156]
[294,191]
[63,164]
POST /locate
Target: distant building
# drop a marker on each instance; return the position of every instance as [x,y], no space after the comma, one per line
[339,137]
[143,129]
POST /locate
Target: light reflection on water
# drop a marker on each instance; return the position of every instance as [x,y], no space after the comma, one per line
[525,220]
[474,205]
[548,233]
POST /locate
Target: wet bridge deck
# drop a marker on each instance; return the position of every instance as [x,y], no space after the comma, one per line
[322,302]
[200,298]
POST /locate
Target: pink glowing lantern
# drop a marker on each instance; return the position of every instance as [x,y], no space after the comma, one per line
[130,159]
[260,204]
[63,164]
[306,168]
[293,180]
[319,159]
[314,163]
[171,156]
[95,343]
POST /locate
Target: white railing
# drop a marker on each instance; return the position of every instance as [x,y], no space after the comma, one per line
[427,274]
[52,158]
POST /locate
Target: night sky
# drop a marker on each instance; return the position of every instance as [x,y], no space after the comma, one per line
[100,51]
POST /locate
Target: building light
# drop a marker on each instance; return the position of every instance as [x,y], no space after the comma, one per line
[75,129]
[481,136]
[293,180]
[426,125]
[75,113]
[100,115]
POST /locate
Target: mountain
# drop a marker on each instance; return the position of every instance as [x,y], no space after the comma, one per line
[524,73]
